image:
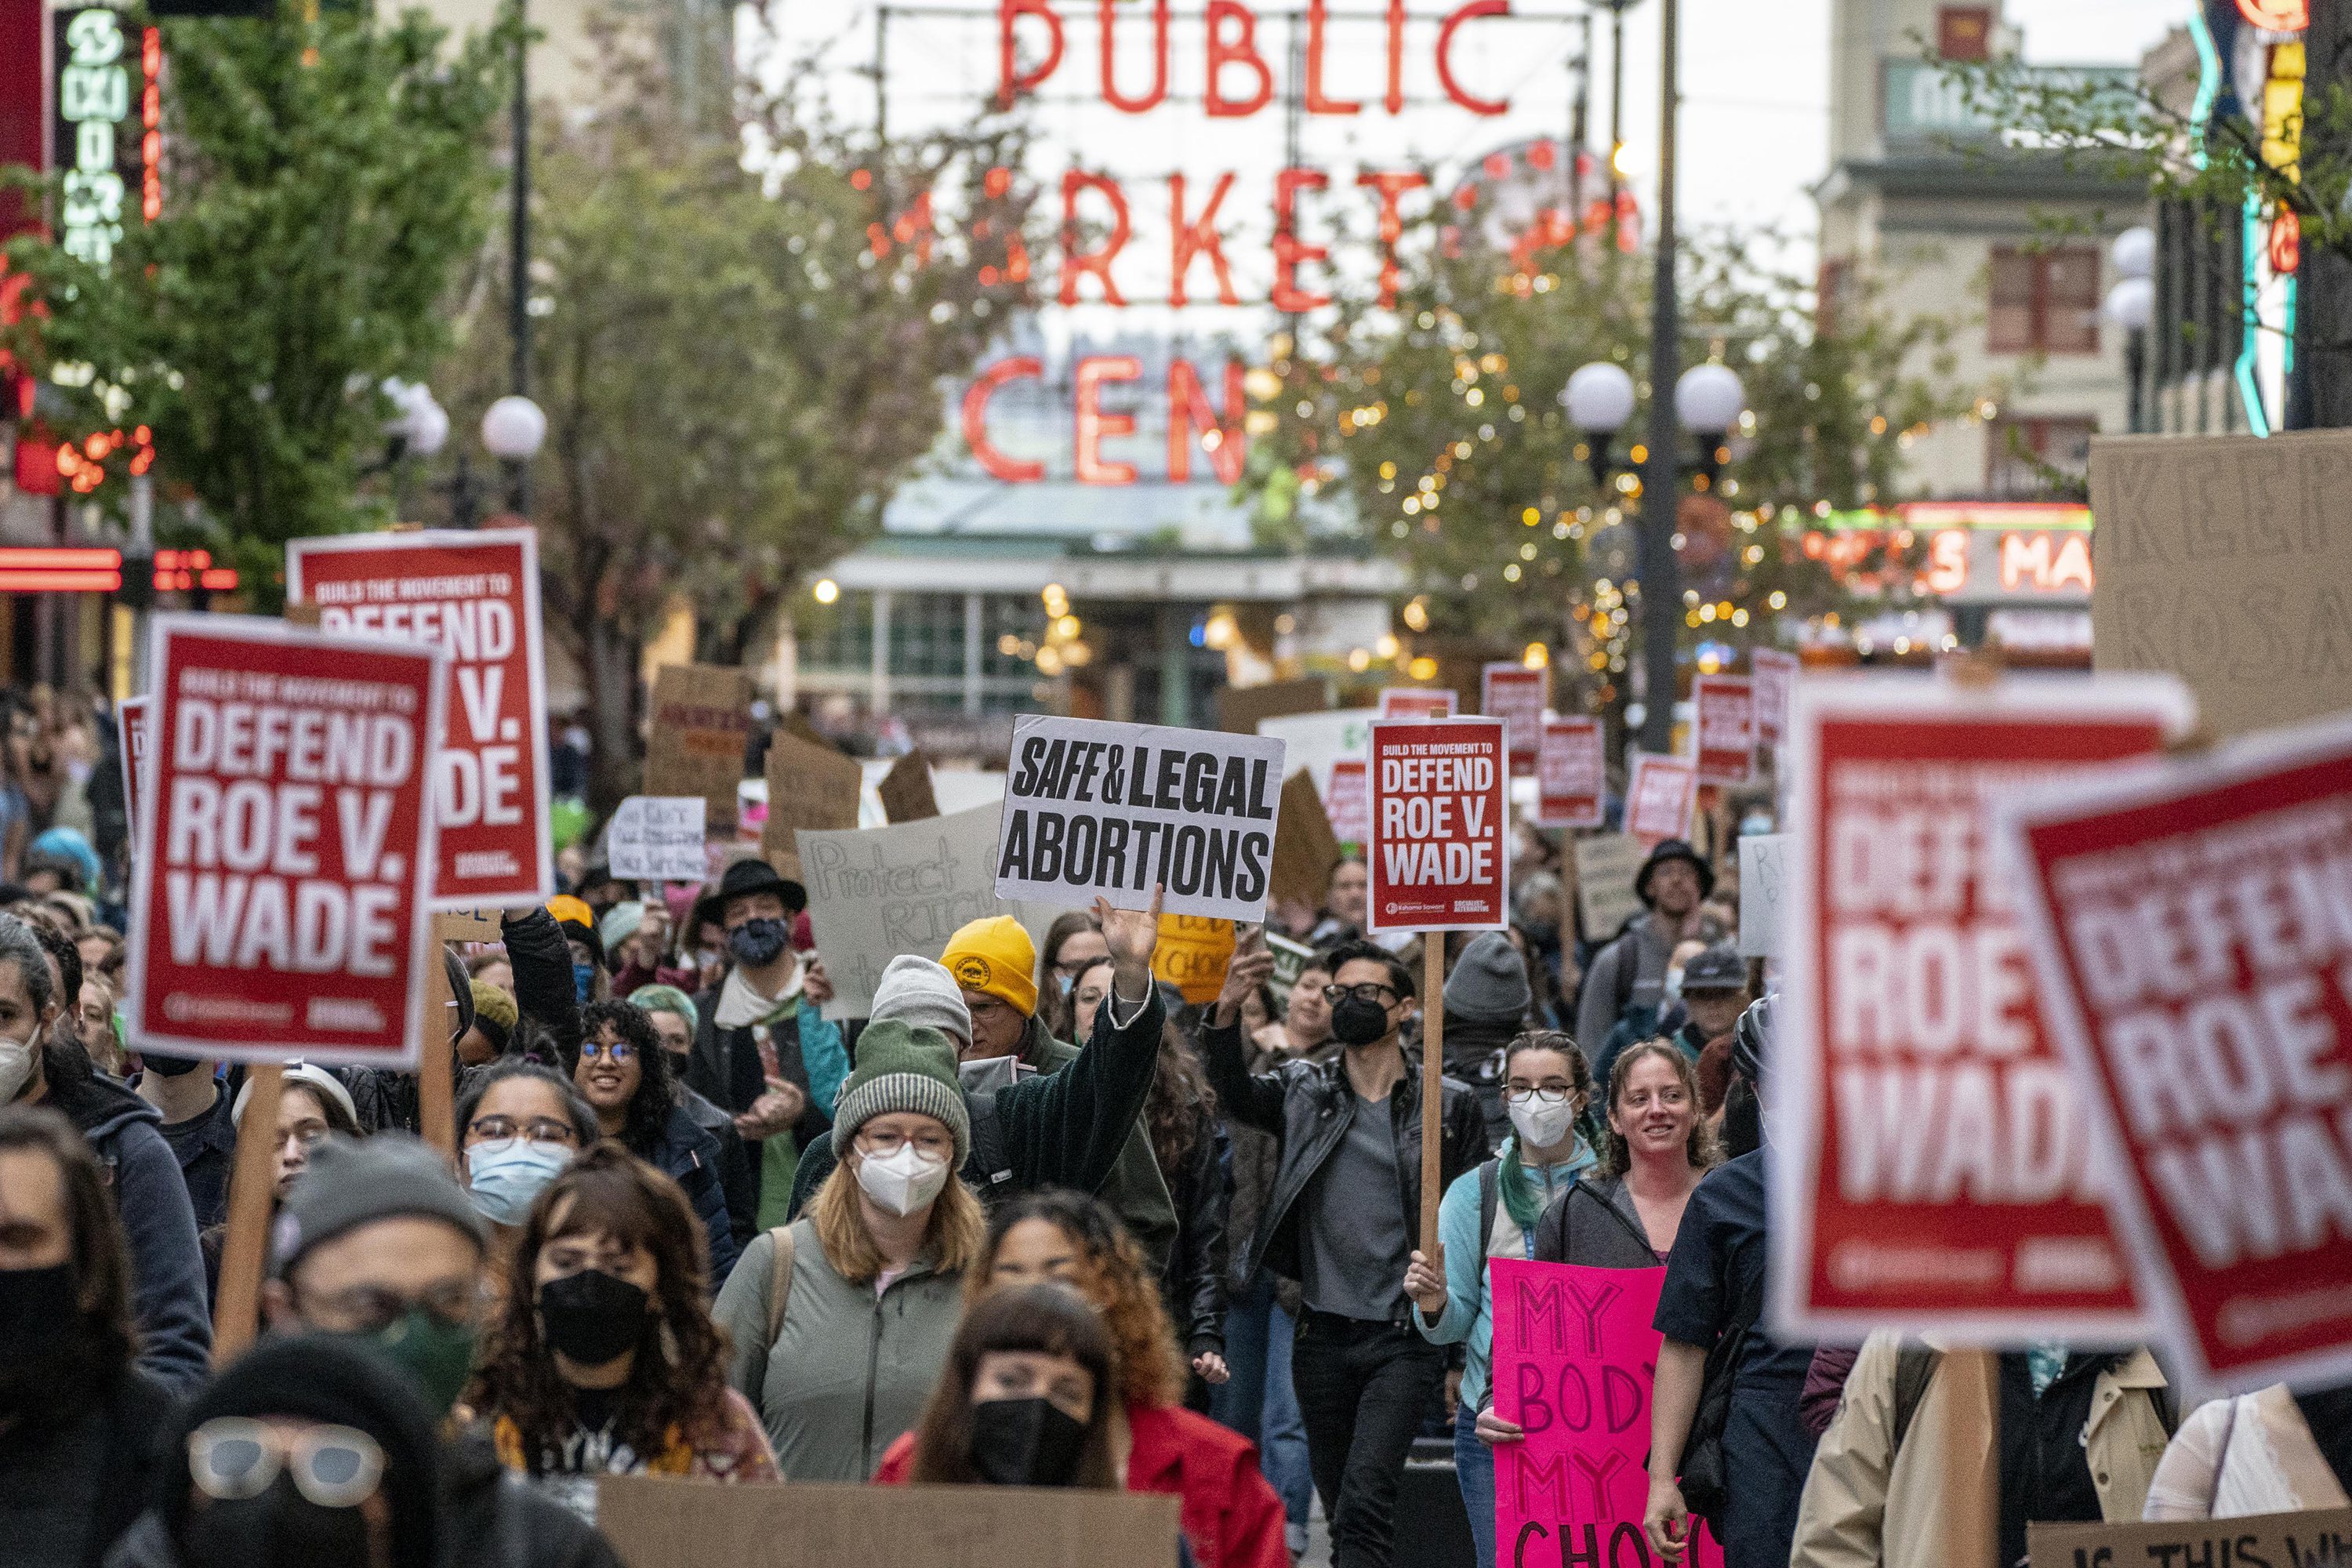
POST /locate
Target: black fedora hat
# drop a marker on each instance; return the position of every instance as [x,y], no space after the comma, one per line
[748,875]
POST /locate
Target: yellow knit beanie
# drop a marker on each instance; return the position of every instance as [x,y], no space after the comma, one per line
[995,956]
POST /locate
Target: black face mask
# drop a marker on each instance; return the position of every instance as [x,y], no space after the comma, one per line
[278,1529]
[756,943]
[163,1065]
[1025,1443]
[592,1316]
[39,1307]
[1356,1022]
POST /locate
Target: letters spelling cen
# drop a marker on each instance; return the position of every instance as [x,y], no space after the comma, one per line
[1421,844]
[242,870]
[1080,849]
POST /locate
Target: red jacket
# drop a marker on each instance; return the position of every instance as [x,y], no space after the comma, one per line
[1231,1515]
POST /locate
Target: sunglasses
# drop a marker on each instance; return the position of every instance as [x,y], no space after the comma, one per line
[230,1457]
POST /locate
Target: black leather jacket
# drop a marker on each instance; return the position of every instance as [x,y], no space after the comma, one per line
[1194,1283]
[1300,1103]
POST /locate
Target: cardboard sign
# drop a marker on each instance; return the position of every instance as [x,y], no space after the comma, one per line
[1774,674]
[1659,795]
[1317,741]
[2191,925]
[1439,849]
[1193,955]
[1349,802]
[699,721]
[2317,1538]
[1935,1172]
[476,596]
[1571,775]
[1305,847]
[1605,866]
[905,789]
[1418,701]
[1512,692]
[2223,560]
[667,1521]
[658,838]
[1242,709]
[1763,892]
[1290,961]
[133,751]
[811,788]
[1117,809]
[877,892]
[1574,1356]
[286,850]
[1724,725]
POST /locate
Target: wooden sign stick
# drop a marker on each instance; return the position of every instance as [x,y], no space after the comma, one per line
[435,1093]
[1433,1086]
[1970,1380]
[245,1248]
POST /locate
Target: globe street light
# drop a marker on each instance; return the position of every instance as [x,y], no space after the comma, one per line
[2131,305]
[1599,400]
[513,428]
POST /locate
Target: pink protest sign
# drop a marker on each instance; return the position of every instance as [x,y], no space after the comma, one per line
[1574,1355]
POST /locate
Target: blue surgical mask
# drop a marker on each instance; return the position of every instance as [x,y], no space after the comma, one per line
[1063,981]
[505,1176]
[583,983]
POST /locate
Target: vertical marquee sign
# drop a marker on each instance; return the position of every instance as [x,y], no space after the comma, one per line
[106,134]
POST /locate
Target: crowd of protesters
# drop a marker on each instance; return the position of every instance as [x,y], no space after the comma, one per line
[1033,1221]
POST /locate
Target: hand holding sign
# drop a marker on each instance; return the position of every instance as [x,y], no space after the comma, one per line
[1132,936]
[1251,963]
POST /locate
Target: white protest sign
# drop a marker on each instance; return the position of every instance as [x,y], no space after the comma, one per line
[1315,741]
[1605,866]
[658,838]
[1118,809]
[1759,894]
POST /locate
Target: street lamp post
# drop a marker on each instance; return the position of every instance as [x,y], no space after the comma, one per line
[513,428]
[1662,595]
[2131,305]
[519,244]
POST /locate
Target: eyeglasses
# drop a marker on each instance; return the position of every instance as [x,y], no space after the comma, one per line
[231,1457]
[538,1129]
[1072,968]
[1540,1095]
[882,1145]
[372,1308]
[619,1051]
[1362,991]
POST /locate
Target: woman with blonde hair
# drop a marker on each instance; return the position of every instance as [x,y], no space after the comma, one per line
[841,1320]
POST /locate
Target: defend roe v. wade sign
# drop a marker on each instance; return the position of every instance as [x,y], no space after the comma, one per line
[1118,809]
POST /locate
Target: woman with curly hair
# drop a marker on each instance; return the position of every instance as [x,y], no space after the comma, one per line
[1180,1118]
[604,1360]
[628,1080]
[1231,1516]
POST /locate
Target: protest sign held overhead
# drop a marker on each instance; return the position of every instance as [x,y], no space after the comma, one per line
[698,722]
[1439,852]
[1763,893]
[1290,961]
[1512,692]
[1193,955]
[1117,809]
[658,838]
[905,790]
[1775,677]
[1418,701]
[476,595]
[1348,803]
[1241,709]
[1305,847]
[811,788]
[1660,792]
[2191,925]
[1606,864]
[1573,1361]
[1724,722]
[1934,1170]
[1571,775]
[1317,741]
[286,853]
[134,753]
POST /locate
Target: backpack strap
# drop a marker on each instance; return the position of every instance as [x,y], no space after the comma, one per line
[1914,1365]
[1489,1195]
[780,1281]
[990,1167]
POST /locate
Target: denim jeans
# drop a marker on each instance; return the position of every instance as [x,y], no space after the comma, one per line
[1363,1388]
[1474,1471]
[1259,1402]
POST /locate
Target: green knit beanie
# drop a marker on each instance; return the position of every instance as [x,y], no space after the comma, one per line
[902,1067]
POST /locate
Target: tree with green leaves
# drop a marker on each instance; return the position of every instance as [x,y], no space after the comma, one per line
[322,181]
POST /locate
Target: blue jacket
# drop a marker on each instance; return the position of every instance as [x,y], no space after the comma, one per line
[688,1155]
[167,1267]
[1469,1312]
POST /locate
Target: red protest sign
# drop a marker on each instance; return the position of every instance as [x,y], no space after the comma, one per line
[132,712]
[1439,847]
[1775,675]
[1418,701]
[1724,722]
[1935,1169]
[1659,795]
[1515,694]
[1571,774]
[2191,925]
[285,851]
[476,595]
[1348,804]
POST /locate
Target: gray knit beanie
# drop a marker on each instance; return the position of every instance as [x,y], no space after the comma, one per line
[350,1183]
[922,994]
[1489,983]
[900,1068]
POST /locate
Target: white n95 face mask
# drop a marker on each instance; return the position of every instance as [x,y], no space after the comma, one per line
[1539,1126]
[902,1182]
[15,1067]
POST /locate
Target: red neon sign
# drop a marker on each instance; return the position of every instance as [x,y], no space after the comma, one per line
[60,571]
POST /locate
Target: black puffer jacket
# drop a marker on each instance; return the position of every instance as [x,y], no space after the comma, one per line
[1300,1103]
